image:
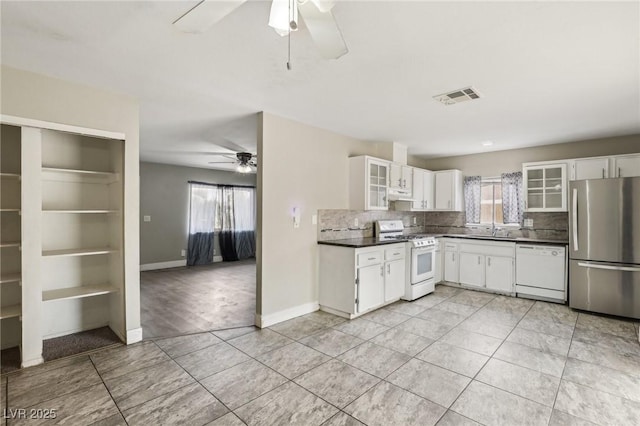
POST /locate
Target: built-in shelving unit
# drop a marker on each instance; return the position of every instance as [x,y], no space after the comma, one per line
[82,233]
[79,252]
[11,311]
[10,237]
[77,292]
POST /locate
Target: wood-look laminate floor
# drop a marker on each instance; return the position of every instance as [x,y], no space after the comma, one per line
[200,298]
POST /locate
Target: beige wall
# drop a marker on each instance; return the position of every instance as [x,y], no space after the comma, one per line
[164,195]
[305,167]
[35,96]
[495,163]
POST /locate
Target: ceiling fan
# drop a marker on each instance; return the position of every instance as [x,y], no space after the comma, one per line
[283,19]
[245,161]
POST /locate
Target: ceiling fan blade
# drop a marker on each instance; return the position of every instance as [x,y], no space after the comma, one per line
[227,144]
[323,29]
[206,14]
[222,162]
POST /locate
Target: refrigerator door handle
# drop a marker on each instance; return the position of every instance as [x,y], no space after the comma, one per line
[609,267]
[574,218]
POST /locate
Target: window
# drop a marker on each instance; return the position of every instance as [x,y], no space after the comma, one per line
[491,202]
[485,198]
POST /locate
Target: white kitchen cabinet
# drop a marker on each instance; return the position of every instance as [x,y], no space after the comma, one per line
[545,187]
[448,193]
[626,166]
[472,269]
[487,264]
[437,268]
[368,183]
[422,192]
[370,285]
[356,280]
[499,273]
[590,168]
[401,178]
[394,280]
[451,263]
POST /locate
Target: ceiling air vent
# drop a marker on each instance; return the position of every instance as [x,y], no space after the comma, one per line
[457,96]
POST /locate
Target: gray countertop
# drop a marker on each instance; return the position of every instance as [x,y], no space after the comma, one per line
[371,241]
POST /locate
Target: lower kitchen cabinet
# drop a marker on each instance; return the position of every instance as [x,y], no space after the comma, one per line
[450,264]
[369,287]
[486,265]
[354,281]
[472,269]
[394,279]
[499,273]
[437,269]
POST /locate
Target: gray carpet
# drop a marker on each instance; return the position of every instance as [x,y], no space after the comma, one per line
[76,343]
[10,360]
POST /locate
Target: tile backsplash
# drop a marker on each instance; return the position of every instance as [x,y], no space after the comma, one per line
[341,224]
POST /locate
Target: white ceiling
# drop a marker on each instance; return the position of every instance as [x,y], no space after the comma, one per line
[549,72]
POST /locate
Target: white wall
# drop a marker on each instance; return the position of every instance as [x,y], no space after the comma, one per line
[497,162]
[164,195]
[35,96]
[305,167]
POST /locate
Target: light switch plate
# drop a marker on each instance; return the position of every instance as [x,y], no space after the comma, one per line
[355,222]
[314,219]
[146,218]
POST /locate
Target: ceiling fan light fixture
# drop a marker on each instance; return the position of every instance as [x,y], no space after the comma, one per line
[283,17]
[243,168]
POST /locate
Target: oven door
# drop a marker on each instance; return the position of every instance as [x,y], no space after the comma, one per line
[422,264]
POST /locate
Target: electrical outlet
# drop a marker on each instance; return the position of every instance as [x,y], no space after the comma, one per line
[528,223]
[415,220]
[183,253]
[355,222]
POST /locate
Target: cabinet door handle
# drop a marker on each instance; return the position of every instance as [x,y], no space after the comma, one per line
[478,260]
[404,183]
[619,172]
[603,173]
[488,261]
[382,270]
[453,257]
[388,269]
[449,204]
[371,258]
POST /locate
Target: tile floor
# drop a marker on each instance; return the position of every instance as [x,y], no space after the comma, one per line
[454,357]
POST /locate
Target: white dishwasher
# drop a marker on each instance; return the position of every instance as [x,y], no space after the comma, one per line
[541,272]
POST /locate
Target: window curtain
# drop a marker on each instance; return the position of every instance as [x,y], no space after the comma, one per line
[237,221]
[472,185]
[244,207]
[201,224]
[512,197]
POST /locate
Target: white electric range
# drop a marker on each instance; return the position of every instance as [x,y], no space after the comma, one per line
[421,256]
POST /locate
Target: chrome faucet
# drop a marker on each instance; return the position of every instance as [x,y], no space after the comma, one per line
[494,229]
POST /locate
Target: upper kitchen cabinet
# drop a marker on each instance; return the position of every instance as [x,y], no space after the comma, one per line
[626,166]
[448,190]
[400,179]
[368,183]
[422,192]
[545,186]
[590,168]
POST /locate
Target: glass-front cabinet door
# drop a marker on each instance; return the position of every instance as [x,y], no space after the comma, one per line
[546,187]
[378,185]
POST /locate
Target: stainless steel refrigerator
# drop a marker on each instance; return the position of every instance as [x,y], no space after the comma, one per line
[604,246]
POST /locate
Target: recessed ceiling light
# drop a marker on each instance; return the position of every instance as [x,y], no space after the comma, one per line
[487,143]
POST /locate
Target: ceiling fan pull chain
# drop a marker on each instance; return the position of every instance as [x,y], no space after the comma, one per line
[289,38]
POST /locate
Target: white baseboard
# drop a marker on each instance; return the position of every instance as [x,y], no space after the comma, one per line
[263,321]
[134,335]
[163,265]
[31,362]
